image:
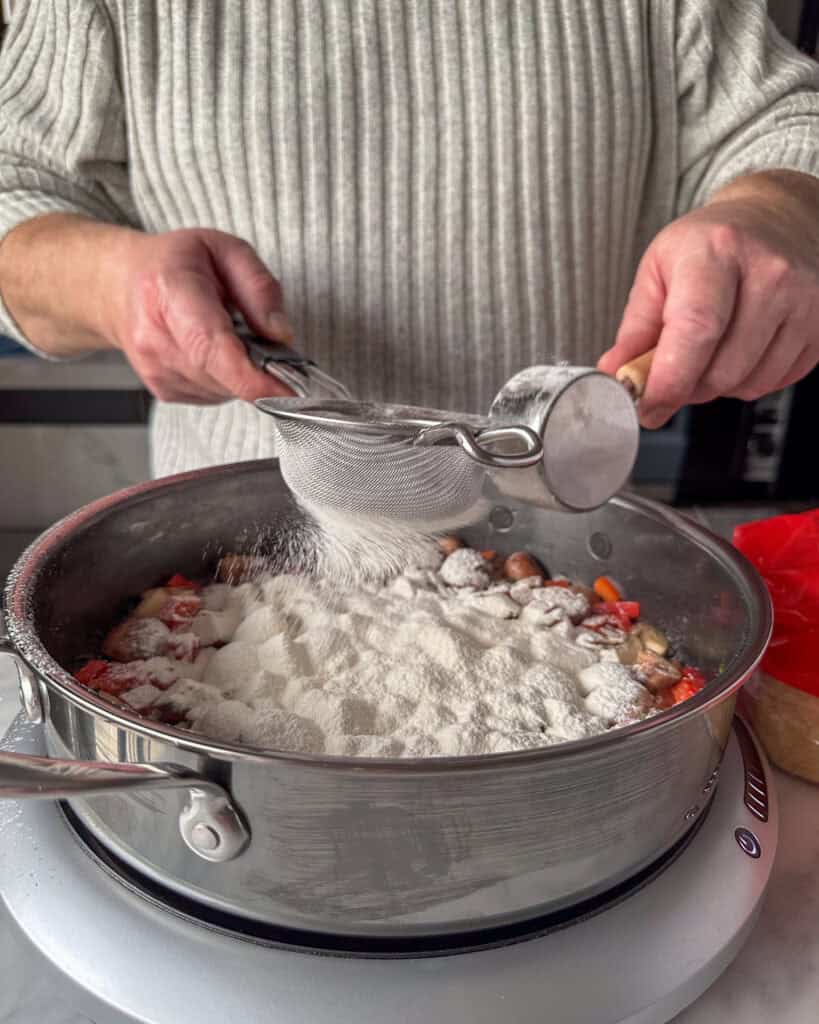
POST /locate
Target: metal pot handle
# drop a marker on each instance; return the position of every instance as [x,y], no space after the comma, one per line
[209,823]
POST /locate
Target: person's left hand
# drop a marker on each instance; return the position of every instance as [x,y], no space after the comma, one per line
[729,295]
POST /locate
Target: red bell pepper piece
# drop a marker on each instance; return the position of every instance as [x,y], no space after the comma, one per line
[691,682]
[624,613]
[180,582]
[91,671]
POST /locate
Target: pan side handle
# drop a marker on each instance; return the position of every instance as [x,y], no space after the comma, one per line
[210,823]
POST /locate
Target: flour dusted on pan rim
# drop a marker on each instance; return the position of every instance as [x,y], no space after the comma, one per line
[417,667]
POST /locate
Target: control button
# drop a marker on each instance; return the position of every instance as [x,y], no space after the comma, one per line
[748,843]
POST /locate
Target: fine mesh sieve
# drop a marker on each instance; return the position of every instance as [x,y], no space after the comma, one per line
[562,437]
[396,462]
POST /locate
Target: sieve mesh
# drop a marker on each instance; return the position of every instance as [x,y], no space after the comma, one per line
[376,475]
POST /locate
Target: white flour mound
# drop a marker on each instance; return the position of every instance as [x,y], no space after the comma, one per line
[416,668]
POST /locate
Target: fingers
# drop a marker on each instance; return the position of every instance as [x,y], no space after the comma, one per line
[702,292]
[169,386]
[807,360]
[208,353]
[642,318]
[250,286]
[776,365]
[226,361]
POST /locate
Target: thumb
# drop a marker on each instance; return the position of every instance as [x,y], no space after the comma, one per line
[642,321]
[250,286]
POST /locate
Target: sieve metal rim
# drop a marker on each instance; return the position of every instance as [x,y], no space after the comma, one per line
[471,433]
[335,414]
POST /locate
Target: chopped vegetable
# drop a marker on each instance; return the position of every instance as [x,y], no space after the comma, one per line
[621,612]
[604,588]
[651,638]
[91,671]
[177,612]
[657,673]
[691,682]
[180,582]
[116,680]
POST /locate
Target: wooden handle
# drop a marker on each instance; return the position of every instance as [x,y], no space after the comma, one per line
[634,375]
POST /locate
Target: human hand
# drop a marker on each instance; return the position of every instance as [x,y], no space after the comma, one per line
[170,295]
[729,295]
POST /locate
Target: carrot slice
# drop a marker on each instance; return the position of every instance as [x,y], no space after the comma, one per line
[604,588]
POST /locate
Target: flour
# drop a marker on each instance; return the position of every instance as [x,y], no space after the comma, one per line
[356,549]
[442,660]
[466,568]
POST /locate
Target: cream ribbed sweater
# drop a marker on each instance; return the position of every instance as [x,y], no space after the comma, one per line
[449,190]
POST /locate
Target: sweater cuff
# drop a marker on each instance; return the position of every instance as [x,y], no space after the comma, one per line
[16,208]
[795,154]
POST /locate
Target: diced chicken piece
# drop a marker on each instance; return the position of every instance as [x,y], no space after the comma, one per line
[153,601]
[655,672]
[466,568]
[651,638]
[496,606]
[630,650]
[449,544]
[183,646]
[141,698]
[521,565]
[136,639]
[216,627]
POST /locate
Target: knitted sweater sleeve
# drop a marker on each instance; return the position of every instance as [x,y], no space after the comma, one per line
[747,100]
[62,132]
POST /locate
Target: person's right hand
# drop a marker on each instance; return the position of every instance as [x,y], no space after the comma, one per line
[170,316]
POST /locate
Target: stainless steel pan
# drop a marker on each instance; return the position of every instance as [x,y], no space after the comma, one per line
[372,847]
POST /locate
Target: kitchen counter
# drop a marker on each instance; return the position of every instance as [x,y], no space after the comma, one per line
[775,978]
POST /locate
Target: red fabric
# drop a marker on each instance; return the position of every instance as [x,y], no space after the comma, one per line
[785,552]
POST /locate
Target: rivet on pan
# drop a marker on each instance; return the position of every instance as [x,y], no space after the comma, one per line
[204,837]
[599,546]
[692,812]
[501,518]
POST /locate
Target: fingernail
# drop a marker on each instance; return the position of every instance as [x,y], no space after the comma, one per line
[280,327]
[657,417]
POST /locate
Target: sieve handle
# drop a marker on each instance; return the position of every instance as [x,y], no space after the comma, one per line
[262,352]
[292,368]
[475,443]
[634,374]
